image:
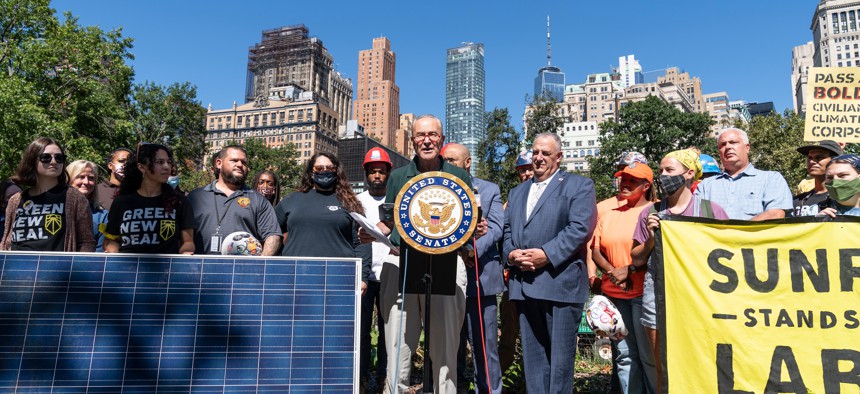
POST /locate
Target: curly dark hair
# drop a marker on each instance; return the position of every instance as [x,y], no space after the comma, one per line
[344,192]
[25,175]
[145,155]
[256,181]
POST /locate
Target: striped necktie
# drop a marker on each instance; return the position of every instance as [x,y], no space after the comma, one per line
[534,196]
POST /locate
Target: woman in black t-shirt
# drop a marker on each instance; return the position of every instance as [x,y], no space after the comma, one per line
[48,216]
[148,215]
[316,218]
[266,183]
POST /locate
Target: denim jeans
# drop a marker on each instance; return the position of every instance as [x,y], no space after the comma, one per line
[649,302]
[636,369]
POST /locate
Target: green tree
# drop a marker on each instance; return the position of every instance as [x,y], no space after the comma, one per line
[61,80]
[280,160]
[652,127]
[774,140]
[497,153]
[541,117]
[83,84]
[71,82]
[22,22]
[170,115]
[19,113]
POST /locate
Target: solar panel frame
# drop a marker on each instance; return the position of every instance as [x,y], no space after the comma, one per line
[75,316]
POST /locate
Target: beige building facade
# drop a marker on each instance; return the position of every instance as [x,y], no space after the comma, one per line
[666,91]
[297,118]
[377,98]
[404,136]
[801,60]
[289,56]
[691,87]
[836,33]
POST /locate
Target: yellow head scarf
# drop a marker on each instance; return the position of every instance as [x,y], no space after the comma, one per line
[690,159]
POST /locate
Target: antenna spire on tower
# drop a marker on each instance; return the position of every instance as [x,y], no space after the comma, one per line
[548,53]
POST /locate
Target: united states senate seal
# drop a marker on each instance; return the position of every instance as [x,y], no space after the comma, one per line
[435,212]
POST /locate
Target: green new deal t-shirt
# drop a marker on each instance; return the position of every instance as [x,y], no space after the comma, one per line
[40,223]
[144,225]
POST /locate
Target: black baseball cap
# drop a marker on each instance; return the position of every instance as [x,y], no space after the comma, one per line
[828,145]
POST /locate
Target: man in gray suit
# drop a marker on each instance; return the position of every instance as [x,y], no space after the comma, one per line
[481,308]
[548,223]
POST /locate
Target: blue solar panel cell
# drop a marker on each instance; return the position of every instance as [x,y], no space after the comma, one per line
[125,323]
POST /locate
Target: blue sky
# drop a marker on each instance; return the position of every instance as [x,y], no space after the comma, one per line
[741,47]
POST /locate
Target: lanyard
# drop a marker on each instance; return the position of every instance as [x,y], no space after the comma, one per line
[218,214]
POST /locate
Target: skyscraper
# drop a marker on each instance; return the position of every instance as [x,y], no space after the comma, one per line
[377,102]
[801,60]
[834,34]
[630,70]
[550,79]
[464,96]
[835,43]
[288,56]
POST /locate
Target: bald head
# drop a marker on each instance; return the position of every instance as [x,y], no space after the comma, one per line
[457,155]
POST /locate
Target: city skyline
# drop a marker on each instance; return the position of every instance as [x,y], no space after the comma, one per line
[741,53]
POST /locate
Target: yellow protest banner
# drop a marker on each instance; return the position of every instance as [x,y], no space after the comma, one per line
[833,104]
[752,307]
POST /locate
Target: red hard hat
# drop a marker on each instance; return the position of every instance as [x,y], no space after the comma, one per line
[377,155]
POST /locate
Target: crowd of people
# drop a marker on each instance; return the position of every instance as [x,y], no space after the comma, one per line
[543,251]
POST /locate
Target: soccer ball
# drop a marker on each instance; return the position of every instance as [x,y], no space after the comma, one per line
[241,243]
[605,319]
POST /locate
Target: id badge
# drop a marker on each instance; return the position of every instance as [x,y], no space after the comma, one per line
[215,246]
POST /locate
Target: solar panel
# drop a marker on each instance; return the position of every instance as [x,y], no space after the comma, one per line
[101,323]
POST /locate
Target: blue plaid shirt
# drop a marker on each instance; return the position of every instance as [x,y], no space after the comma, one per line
[748,194]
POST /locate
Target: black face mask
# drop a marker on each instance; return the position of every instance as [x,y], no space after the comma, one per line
[325,180]
[669,184]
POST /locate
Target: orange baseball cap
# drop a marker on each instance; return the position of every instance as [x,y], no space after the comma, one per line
[638,170]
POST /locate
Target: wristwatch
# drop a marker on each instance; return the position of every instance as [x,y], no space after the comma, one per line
[631,268]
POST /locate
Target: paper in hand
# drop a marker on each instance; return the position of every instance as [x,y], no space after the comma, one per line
[373,230]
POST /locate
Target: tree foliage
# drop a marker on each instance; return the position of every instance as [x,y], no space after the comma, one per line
[71,82]
[281,160]
[22,23]
[774,140]
[497,153]
[652,127]
[172,116]
[541,117]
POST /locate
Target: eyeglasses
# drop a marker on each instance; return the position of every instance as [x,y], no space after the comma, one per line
[321,168]
[419,137]
[58,157]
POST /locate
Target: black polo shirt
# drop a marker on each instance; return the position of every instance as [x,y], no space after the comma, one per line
[244,210]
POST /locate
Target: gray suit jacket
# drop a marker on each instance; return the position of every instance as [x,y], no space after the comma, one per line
[561,224]
[489,264]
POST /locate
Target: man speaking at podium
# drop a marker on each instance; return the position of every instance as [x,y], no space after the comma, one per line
[548,222]
[447,311]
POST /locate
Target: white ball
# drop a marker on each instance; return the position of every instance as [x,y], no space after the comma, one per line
[241,243]
[605,319]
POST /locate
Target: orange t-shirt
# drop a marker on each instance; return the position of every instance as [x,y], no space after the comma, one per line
[614,235]
[604,206]
[608,204]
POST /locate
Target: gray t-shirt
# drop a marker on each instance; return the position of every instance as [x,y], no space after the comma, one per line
[244,210]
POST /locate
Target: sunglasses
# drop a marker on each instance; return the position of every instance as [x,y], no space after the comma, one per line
[58,157]
[325,168]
